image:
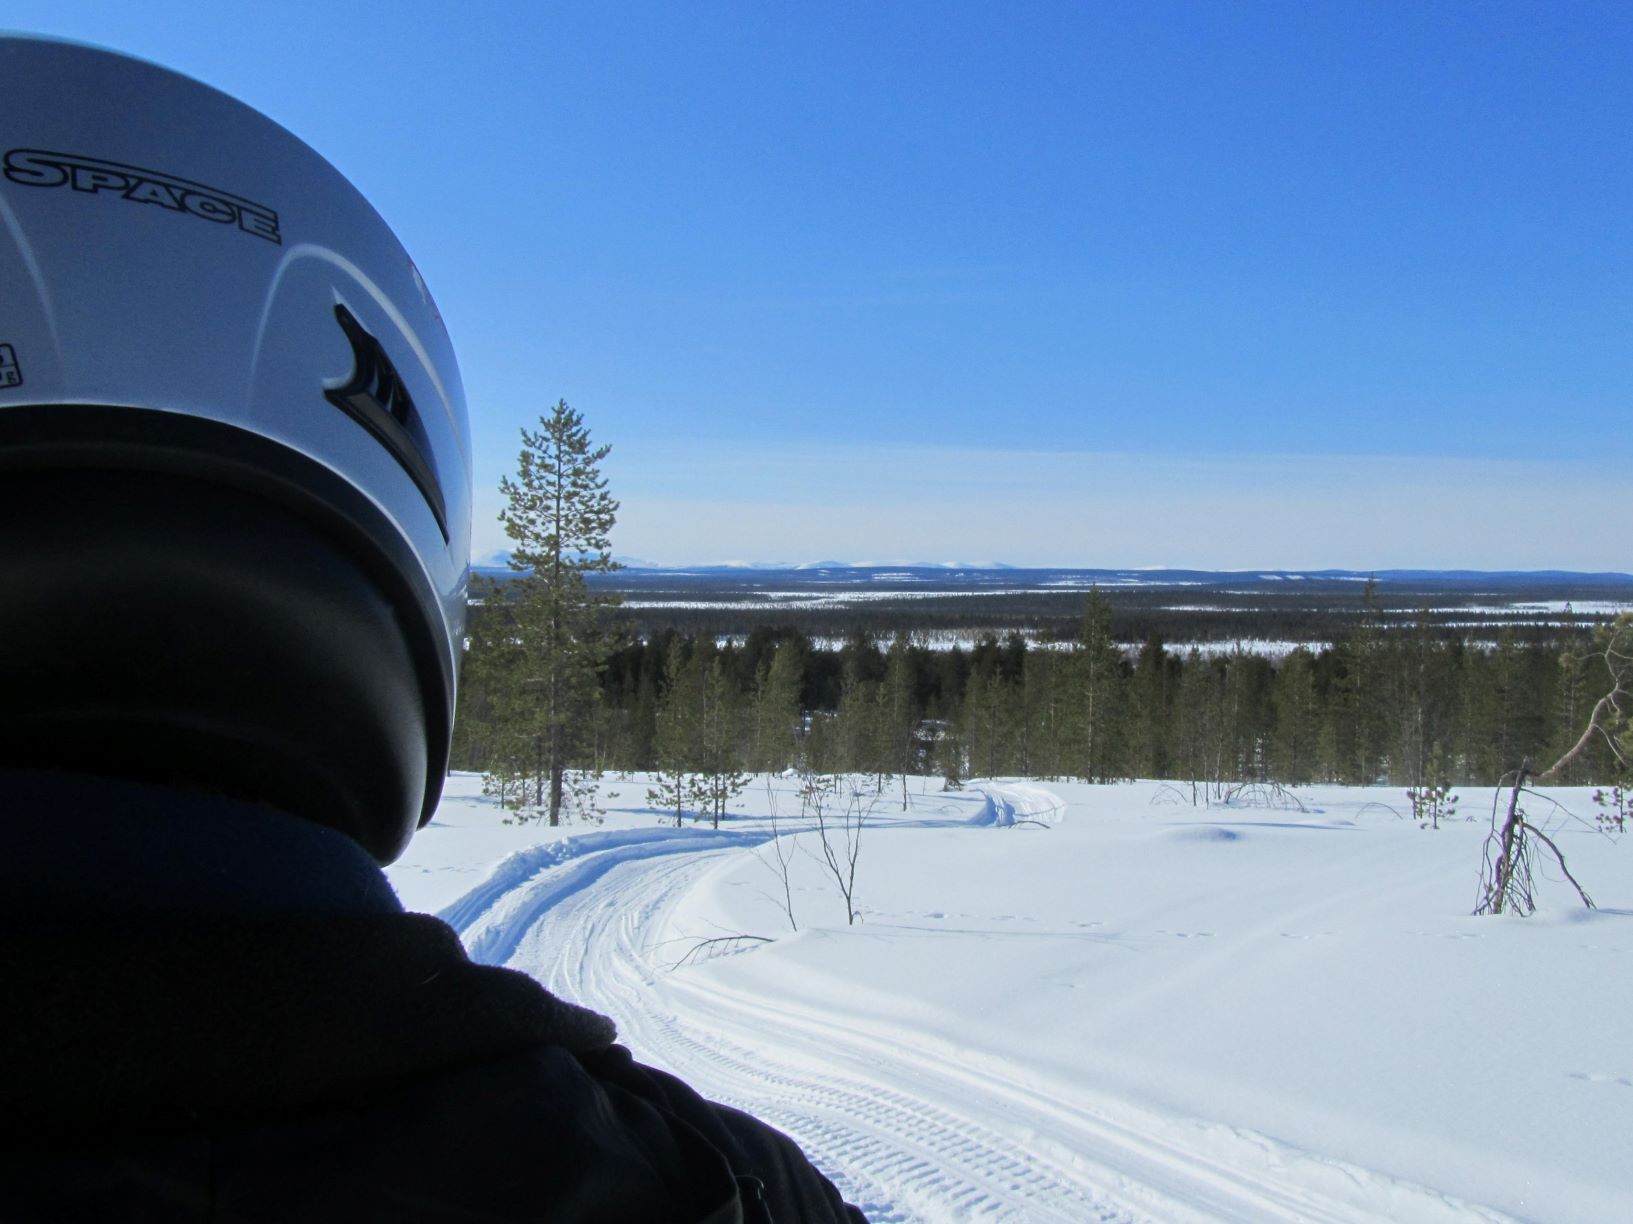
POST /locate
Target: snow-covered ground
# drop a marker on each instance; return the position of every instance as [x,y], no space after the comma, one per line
[1071,1002]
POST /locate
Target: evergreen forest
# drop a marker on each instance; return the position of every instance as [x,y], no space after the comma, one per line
[1404,702]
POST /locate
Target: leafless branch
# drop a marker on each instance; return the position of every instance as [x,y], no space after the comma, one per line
[719,945]
[783,854]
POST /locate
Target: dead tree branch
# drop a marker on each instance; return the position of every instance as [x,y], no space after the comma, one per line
[1560,859]
[1618,660]
[1508,879]
[720,945]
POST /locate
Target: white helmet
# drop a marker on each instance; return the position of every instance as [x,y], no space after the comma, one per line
[234,456]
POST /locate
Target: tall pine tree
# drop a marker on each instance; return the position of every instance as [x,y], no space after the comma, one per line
[559,516]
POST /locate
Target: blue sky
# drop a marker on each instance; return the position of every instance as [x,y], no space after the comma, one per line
[1099,283]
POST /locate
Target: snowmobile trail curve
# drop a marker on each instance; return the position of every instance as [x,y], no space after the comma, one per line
[907,1131]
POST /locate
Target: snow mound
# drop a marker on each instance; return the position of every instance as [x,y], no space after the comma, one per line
[1007,804]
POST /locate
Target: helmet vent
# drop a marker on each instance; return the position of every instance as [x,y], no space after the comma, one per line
[374,397]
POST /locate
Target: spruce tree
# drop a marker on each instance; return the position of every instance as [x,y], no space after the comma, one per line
[1364,712]
[896,722]
[559,516]
[480,728]
[856,727]
[718,738]
[675,741]
[1050,701]
[775,713]
[990,723]
[1150,693]
[1420,677]
[1500,709]
[1297,728]
[1248,716]
[1099,666]
[491,687]
[1196,717]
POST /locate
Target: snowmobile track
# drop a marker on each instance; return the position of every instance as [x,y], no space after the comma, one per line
[908,1132]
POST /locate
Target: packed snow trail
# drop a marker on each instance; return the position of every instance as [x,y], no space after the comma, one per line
[908,1131]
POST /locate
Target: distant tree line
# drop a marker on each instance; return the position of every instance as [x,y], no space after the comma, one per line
[1409,704]
[1055,617]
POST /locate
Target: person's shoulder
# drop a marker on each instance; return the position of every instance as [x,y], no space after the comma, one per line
[533,1135]
[776,1179]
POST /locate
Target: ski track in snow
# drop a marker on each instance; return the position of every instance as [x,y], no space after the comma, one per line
[908,1132]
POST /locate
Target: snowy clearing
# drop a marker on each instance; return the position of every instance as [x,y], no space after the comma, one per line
[1070,1002]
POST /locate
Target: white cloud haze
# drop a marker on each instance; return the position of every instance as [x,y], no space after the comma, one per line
[895,503]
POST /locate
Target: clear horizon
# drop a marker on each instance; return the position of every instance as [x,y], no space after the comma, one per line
[499,559]
[1221,286]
